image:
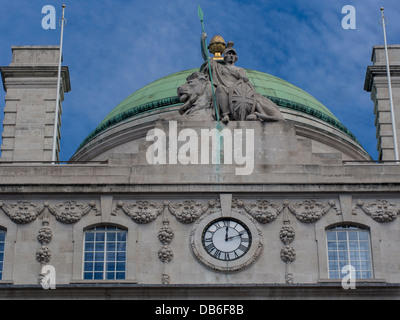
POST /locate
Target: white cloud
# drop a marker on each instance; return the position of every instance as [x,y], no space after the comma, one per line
[115,47]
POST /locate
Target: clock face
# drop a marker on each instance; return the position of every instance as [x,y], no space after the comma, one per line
[226,239]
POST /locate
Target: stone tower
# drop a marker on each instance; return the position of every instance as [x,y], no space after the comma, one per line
[376,82]
[30,82]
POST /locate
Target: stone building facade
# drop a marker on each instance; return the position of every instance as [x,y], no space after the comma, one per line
[117,222]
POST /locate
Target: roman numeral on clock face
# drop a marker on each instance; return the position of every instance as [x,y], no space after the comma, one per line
[226,239]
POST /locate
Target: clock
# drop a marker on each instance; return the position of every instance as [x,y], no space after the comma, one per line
[226,239]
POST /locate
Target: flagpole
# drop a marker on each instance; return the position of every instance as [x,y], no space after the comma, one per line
[55,134]
[383,23]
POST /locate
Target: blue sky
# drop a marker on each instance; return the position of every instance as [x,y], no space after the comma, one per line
[113,48]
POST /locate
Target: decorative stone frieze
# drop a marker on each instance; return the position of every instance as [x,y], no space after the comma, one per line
[189,211]
[23,211]
[310,211]
[141,212]
[379,210]
[71,211]
[263,211]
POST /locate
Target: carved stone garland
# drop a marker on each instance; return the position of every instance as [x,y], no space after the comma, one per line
[379,210]
[189,211]
[141,212]
[69,212]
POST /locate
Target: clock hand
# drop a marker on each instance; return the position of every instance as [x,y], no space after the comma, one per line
[238,235]
[226,233]
[229,238]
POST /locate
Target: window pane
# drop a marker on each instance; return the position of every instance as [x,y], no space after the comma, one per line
[88,275]
[89,256]
[88,266]
[333,265]
[121,236]
[111,236]
[353,245]
[354,255]
[332,255]
[89,236]
[121,246]
[331,236]
[110,246]
[342,235]
[353,235]
[120,266]
[110,266]
[363,235]
[89,246]
[99,246]
[332,245]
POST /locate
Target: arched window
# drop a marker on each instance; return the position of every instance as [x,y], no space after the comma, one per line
[2,245]
[349,245]
[104,253]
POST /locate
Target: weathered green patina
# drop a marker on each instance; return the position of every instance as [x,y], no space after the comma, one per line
[162,93]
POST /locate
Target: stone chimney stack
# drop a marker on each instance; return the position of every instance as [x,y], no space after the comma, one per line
[30,82]
[376,82]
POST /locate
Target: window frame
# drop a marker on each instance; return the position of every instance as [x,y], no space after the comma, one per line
[356,263]
[105,262]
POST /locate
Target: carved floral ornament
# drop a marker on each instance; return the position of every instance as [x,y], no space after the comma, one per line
[307,211]
[379,210]
[188,211]
[69,212]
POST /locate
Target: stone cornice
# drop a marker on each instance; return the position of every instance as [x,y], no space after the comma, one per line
[380,71]
[24,72]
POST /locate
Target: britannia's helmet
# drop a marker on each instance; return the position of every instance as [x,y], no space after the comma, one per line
[229,48]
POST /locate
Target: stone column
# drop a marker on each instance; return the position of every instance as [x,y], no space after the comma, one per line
[30,82]
[376,82]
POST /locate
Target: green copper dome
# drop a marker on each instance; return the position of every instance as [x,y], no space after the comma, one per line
[162,93]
